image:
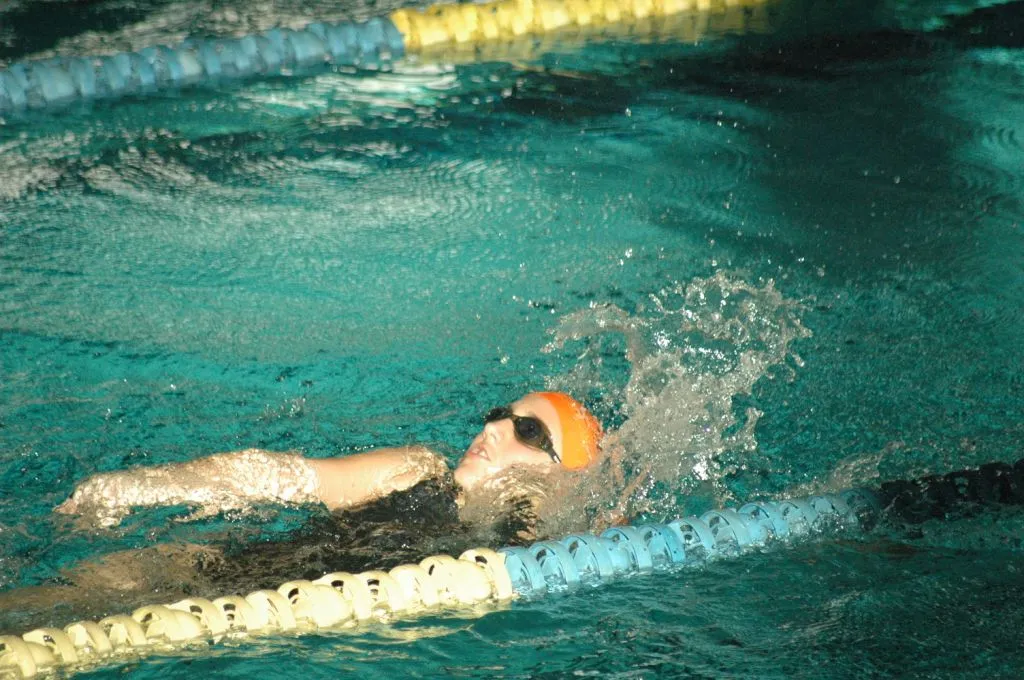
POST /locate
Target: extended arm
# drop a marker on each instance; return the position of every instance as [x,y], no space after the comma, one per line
[355,480]
[232,481]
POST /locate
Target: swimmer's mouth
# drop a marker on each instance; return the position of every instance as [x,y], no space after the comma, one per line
[478,452]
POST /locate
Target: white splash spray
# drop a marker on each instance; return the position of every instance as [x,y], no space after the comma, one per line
[691,351]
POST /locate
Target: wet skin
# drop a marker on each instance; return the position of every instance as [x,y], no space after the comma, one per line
[495,449]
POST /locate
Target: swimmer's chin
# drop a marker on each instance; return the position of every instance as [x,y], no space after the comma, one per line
[495,482]
[473,471]
[467,480]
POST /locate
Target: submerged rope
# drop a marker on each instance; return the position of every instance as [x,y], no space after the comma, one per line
[341,599]
[56,82]
[60,81]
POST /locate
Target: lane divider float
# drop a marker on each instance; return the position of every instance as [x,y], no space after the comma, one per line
[61,81]
[479,576]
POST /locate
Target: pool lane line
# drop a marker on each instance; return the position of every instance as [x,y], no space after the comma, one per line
[466,32]
[480,576]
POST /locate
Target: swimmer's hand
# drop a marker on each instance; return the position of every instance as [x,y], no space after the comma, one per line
[99,501]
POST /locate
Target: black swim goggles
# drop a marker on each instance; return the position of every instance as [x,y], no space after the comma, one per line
[529,430]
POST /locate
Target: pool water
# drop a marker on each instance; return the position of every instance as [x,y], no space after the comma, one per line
[781,261]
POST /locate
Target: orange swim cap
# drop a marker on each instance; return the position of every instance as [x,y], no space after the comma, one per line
[581,431]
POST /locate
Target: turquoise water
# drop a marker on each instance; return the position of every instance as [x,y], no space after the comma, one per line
[348,260]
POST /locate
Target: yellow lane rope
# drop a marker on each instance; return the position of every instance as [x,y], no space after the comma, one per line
[335,600]
[475,25]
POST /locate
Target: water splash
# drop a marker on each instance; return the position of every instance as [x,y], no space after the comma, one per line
[692,350]
[858,470]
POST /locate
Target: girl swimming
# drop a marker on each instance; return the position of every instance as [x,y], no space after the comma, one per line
[541,433]
[387,507]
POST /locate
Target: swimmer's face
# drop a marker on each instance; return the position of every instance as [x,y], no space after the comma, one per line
[496,448]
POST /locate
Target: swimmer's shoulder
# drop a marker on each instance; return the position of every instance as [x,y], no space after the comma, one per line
[428,503]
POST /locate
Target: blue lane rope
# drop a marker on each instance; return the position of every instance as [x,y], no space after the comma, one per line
[550,566]
[60,81]
[479,575]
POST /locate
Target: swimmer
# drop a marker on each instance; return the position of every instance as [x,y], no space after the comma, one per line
[388,506]
[539,434]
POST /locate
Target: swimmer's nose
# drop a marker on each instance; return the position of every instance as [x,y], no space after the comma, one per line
[493,431]
[480,438]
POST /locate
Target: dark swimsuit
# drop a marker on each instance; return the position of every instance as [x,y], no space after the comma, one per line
[402,528]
